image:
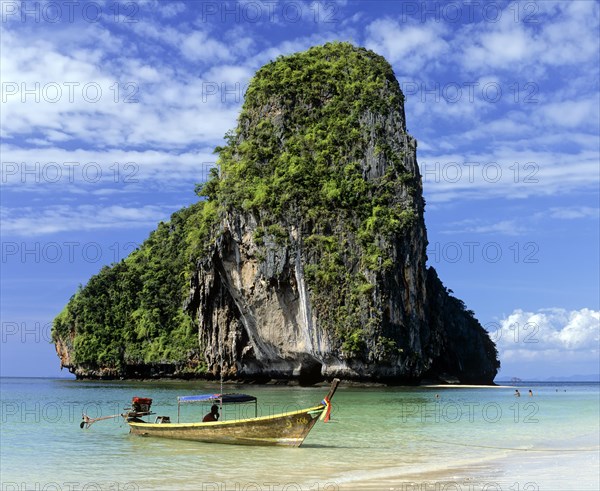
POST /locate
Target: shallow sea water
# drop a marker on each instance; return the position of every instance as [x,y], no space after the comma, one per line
[397,438]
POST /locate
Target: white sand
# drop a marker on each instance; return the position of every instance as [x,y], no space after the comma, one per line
[518,471]
[458,386]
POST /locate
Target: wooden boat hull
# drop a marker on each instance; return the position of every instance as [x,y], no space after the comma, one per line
[287,429]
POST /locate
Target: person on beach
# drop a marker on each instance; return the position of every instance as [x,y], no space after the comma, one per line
[530,393]
[213,415]
[517,393]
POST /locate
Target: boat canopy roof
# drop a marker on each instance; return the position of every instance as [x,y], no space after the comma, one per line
[223,398]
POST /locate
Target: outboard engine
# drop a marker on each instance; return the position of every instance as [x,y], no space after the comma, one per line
[141,404]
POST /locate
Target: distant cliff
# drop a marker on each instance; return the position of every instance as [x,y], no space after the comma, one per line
[305,260]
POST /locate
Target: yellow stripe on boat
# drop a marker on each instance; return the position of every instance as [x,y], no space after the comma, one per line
[316,409]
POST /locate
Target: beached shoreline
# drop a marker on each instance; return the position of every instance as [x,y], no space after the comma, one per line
[518,470]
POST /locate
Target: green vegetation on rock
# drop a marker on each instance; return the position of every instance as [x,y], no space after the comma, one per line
[131,313]
[300,141]
[297,159]
[318,182]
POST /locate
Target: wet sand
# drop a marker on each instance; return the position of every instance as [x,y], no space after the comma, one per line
[518,470]
[458,386]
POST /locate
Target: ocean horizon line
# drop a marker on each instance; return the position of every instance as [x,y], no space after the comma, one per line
[550,380]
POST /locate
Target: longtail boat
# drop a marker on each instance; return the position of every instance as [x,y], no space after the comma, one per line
[287,429]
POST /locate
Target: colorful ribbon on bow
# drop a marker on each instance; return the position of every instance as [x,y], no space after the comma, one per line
[325,415]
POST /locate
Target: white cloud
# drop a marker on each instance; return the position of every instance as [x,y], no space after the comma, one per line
[502,227]
[123,103]
[548,331]
[554,34]
[33,222]
[409,46]
[122,98]
[175,112]
[506,172]
[574,212]
[559,45]
[157,32]
[197,46]
[571,114]
[557,342]
[499,48]
[49,91]
[63,171]
[171,9]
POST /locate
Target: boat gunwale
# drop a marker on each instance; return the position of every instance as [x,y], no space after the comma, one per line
[320,407]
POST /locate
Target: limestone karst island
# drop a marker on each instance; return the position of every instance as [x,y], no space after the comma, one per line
[304,258]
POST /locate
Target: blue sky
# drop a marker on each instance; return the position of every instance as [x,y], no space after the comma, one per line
[111,110]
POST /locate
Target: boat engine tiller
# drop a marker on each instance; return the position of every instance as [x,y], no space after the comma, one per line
[141,404]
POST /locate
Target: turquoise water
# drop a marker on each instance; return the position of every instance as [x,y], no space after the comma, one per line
[379,438]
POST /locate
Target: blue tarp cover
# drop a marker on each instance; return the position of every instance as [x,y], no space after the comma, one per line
[227,398]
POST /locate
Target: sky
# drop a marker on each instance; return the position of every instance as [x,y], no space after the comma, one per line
[111,111]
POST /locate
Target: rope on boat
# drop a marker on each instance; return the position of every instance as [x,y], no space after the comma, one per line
[87,421]
[591,449]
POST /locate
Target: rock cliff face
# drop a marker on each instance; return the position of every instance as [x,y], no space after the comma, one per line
[335,285]
[314,265]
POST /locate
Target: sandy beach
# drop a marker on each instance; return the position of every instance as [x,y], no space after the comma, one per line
[519,470]
[465,386]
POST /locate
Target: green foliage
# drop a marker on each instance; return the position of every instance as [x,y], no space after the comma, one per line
[211,186]
[259,234]
[131,312]
[299,140]
[296,159]
[365,288]
[386,348]
[199,231]
[355,342]
[278,233]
